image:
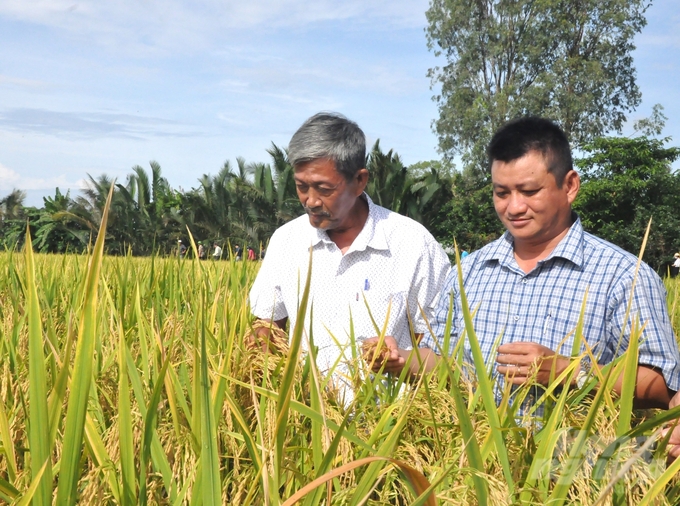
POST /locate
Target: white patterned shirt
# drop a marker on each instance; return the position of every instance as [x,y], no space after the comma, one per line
[393,260]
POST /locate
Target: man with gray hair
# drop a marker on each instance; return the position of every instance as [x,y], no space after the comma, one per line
[365,257]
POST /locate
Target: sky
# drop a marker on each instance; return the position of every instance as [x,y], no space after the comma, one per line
[91,87]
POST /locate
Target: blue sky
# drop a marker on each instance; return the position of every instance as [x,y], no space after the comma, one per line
[91,87]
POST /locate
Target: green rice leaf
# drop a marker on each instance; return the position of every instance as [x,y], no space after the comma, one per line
[29,495]
[7,443]
[659,485]
[8,492]
[629,379]
[38,430]
[150,430]
[82,374]
[485,385]
[287,379]
[126,439]
[210,468]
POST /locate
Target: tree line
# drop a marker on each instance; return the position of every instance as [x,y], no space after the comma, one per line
[570,60]
[241,204]
[625,181]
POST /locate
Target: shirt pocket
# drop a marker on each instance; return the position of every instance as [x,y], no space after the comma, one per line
[559,326]
[380,308]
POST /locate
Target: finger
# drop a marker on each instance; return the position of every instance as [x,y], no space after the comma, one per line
[516,359]
[674,451]
[394,367]
[395,360]
[391,342]
[518,348]
[389,366]
[675,437]
[513,370]
[524,348]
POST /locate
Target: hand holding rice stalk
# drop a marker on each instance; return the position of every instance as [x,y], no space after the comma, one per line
[382,354]
[268,337]
[375,352]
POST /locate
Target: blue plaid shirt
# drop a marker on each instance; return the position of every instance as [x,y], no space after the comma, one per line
[544,305]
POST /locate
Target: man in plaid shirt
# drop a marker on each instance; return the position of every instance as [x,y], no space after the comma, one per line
[528,286]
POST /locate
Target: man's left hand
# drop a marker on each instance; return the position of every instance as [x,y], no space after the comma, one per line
[521,362]
[394,361]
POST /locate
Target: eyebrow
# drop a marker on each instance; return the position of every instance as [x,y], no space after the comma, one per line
[519,186]
[315,183]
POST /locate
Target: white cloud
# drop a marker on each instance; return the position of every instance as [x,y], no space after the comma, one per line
[155,25]
[90,124]
[10,180]
[23,83]
[339,74]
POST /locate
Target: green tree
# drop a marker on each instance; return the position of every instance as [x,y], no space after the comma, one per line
[569,60]
[245,205]
[468,216]
[13,217]
[155,207]
[624,183]
[56,230]
[393,185]
[12,206]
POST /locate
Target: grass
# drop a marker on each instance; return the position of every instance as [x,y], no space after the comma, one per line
[126,381]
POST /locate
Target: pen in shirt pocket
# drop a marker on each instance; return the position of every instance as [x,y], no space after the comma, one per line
[367,286]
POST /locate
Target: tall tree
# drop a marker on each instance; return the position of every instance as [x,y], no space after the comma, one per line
[57,230]
[569,60]
[391,184]
[12,218]
[11,206]
[625,182]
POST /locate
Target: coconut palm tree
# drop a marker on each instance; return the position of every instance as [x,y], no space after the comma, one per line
[56,230]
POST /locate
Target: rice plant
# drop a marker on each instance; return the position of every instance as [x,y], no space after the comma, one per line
[127,381]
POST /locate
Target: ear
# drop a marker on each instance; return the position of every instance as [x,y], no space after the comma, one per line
[572,184]
[361,180]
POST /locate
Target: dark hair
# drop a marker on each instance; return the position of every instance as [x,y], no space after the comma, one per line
[329,135]
[519,136]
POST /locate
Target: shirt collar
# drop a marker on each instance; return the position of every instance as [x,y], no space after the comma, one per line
[372,235]
[570,247]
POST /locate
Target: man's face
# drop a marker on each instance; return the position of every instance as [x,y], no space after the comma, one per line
[528,200]
[325,194]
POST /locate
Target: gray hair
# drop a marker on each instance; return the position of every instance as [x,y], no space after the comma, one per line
[329,135]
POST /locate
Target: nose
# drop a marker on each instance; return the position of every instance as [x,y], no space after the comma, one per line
[516,204]
[311,199]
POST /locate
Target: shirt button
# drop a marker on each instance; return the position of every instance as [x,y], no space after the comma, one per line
[516,317]
[524,281]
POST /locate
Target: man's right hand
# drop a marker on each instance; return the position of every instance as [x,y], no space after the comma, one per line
[258,339]
[263,336]
[674,441]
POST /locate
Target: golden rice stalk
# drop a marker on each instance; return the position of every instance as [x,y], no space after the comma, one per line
[372,354]
[277,341]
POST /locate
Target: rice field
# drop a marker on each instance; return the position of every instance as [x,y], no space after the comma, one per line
[126,381]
